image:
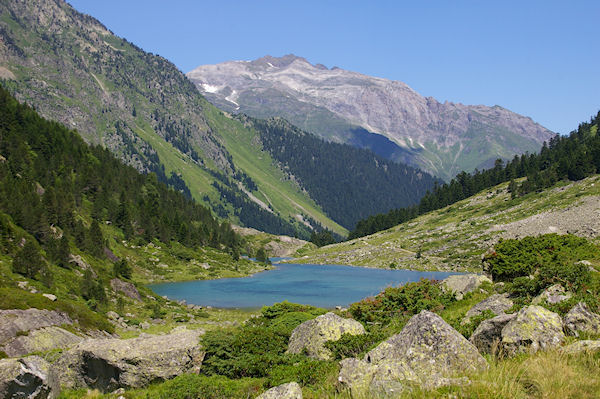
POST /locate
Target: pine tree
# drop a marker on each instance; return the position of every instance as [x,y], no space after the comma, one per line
[28,260]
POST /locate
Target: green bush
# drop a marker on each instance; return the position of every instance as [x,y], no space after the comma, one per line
[402,301]
[354,345]
[278,309]
[285,324]
[304,372]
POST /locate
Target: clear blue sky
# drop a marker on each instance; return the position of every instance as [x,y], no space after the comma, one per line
[538,58]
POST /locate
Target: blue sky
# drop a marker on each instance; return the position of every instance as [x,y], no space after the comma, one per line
[537,58]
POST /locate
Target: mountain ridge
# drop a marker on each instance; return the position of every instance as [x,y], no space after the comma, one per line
[442,138]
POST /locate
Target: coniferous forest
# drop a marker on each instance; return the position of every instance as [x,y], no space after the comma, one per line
[572,157]
[347,182]
[49,177]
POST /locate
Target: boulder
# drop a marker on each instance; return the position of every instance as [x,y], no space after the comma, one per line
[427,352]
[43,339]
[15,321]
[109,364]
[30,377]
[488,334]
[552,295]
[497,304]
[585,346]
[128,289]
[310,336]
[462,284]
[533,328]
[582,319]
[291,390]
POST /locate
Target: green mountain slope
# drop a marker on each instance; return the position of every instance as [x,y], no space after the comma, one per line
[455,237]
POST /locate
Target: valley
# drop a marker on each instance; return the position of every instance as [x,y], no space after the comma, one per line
[276,229]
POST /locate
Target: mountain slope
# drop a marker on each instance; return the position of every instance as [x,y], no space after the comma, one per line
[141,107]
[349,107]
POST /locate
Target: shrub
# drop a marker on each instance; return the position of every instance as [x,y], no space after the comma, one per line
[191,386]
[354,345]
[304,372]
[278,309]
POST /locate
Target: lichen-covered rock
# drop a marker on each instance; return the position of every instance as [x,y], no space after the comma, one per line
[30,377]
[587,346]
[108,364]
[14,321]
[291,390]
[488,334]
[310,336]
[582,319]
[427,352]
[497,304]
[462,284]
[44,339]
[533,328]
[553,295]
[126,288]
[357,375]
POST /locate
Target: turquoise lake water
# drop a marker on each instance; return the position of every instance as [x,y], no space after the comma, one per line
[319,285]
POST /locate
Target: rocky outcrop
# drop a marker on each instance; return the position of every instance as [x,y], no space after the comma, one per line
[15,321]
[533,328]
[552,295]
[30,377]
[487,337]
[427,352]
[310,336]
[290,390]
[582,319]
[497,304]
[462,284]
[108,364]
[44,339]
[585,346]
[128,289]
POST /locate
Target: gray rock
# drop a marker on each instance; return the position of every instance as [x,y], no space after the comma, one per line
[553,295]
[112,315]
[30,377]
[534,328]
[462,284]
[311,335]
[13,321]
[582,319]
[50,297]
[290,390]
[108,364]
[497,304]
[43,339]
[126,288]
[488,334]
[427,352]
[585,346]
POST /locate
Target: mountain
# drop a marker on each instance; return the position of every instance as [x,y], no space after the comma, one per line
[72,69]
[386,116]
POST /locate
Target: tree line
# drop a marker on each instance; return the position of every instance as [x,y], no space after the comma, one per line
[571,157]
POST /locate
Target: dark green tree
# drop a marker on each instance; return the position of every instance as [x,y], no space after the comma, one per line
[28,260]
[122,269]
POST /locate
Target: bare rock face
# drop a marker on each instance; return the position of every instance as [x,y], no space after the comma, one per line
[497,304]
[427,352]
[15,321]
[311,335]
[43,339]
[333,102]
[488,334]
[534,328]
[553,295]
[126,288]
[30,377]
[108,364]
[462,284]
[582,319]
[290,390]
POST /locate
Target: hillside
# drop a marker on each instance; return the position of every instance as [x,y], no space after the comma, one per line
[455,237]
[386,116]
[72,69]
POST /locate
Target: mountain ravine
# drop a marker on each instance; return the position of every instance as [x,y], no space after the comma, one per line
[387,116]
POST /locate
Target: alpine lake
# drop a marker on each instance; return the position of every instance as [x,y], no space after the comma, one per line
[325,286]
